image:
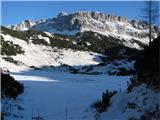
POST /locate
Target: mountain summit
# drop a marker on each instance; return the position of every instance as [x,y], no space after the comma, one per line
[25,25]
[106,24]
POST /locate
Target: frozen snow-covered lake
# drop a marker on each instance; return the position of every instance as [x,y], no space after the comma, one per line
[53,92]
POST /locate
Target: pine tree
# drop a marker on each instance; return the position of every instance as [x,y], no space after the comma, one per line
[151,14]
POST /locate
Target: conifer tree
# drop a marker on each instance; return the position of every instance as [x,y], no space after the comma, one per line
[151,15]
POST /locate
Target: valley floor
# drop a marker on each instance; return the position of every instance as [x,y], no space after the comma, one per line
[57,95]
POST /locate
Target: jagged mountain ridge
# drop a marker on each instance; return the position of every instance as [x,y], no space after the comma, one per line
[105,24]
[25,25]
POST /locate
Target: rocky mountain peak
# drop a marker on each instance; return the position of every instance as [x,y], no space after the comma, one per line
[25,25]
[106,24]
[100,16]
[62,13]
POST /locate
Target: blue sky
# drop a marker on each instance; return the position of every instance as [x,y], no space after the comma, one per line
[15,11]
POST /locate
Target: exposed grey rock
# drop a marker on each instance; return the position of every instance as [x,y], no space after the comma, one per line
[93,21]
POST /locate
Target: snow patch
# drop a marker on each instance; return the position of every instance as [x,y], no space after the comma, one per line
[126,105]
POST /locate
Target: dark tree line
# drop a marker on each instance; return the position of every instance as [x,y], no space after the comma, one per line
[148,63]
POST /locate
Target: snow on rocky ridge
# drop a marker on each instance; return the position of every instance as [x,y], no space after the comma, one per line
[25,25]
[106,24]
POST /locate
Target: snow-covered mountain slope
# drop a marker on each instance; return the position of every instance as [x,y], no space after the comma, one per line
[90,41]
[63,53]
[141,103]
[106,24]
[76,54]
[41,55]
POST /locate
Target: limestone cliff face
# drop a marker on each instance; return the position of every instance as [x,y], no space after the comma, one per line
[90,21]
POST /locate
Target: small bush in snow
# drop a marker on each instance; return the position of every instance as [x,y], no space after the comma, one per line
[10,87]
[102,105]
[124,72]
[35,68]
[9,48]
[131,105]
[11,60]
[40,42]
